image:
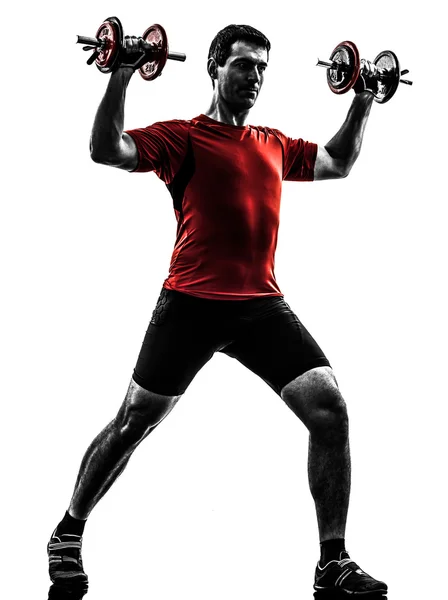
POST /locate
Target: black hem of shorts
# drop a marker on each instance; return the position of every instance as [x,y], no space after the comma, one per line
[312,364]
[320,362]
[140,381]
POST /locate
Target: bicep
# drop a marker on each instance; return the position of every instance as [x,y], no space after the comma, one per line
[124,155]
[327,167]
[128,153]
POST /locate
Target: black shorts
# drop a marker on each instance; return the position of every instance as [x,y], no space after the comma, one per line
[185,331]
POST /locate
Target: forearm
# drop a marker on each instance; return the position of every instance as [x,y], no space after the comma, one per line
[107,132]
[345,146]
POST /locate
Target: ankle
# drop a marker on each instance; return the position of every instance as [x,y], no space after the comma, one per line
[331,550]
[71,525]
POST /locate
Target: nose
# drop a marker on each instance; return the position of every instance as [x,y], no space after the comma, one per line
[254,75]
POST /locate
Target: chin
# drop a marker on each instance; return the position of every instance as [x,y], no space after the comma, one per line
[246,104]
[241,104]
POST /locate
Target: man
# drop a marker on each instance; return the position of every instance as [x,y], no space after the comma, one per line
[221,294]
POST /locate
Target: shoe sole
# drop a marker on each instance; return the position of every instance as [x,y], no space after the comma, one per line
[336,594]
[57,592]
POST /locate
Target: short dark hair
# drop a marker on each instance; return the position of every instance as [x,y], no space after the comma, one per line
[221,45]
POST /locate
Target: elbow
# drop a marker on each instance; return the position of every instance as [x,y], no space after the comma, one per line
[338,172]
[95,154]
[96,158]
[103,151]
[100,157]
[344,168]
[113,155]
[338,166]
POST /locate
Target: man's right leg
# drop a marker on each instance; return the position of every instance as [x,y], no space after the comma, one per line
[110,451]
[103,462]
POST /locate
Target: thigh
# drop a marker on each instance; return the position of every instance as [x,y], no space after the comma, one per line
[276,346]
[180,339]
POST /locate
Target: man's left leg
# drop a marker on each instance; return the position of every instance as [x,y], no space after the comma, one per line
[274,344]
[315,398]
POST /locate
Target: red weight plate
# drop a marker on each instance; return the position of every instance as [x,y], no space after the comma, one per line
[342,80]
[387,63]
[153,68]
[111,33]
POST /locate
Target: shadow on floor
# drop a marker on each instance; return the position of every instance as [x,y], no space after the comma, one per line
[76,593]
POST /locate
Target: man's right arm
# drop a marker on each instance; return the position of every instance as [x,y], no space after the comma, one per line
[109,145]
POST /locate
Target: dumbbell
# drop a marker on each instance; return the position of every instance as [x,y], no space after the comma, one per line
[381,76]
[109,54]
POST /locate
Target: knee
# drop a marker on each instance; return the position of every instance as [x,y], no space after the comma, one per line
[317,401]
[141,412]
[328,419]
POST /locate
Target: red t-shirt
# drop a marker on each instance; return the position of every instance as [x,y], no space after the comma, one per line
[226,184]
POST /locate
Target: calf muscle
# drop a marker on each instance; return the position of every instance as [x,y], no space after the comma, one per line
[109,453]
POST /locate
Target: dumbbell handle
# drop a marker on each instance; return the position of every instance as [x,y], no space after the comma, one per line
[146,47]
[367,68]
[330,65]
[177,56]
[95,42]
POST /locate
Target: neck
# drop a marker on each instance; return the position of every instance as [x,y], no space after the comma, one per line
[219,111]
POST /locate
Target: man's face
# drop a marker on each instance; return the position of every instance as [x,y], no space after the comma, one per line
[239,81]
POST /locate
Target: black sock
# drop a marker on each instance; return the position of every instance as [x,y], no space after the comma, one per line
[331,550]
[71,525]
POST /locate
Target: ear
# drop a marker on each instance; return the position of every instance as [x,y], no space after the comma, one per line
[212,68]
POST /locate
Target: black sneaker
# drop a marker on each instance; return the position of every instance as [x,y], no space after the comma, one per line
[65,562]
[344,575]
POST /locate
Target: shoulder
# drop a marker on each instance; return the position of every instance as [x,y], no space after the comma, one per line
[169,133]
[175,125]
[270,132]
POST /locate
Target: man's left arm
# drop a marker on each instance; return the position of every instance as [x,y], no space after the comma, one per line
[335,159]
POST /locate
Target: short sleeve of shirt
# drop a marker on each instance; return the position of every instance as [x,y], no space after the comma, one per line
[299,158]
[161,147]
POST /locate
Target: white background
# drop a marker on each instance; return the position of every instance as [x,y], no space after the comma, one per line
[215,504]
